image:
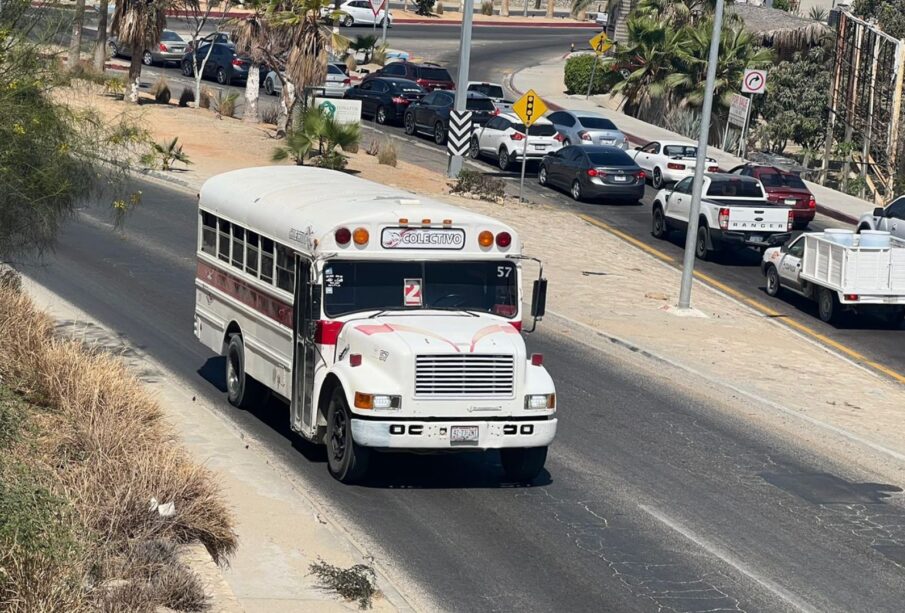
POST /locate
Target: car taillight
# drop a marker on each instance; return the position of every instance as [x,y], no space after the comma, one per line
[559,137]
[791,219]
[516,136]
[162,47]
[812,204]
[237,62]
[347,81]
[584,135]
[724,219]
[852,297]
[675,166]
[496,112]
[421,82]
[592,172]
[713,169]
[399,100]
[641,175]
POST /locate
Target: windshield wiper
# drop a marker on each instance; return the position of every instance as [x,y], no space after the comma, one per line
[472,312]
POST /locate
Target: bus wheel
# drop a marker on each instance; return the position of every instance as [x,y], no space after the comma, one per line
[523,465]
[347,460]
[241,390]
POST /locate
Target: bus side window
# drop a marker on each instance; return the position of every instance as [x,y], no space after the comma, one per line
[238,246]
[251,254]
[266,260]
[223,248]
[208,233]
[285,268]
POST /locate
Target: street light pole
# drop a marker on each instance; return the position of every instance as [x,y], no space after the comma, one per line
[455,161]
[701,161]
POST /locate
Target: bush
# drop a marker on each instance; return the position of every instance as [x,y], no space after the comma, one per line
[207,95]
[161,91]
[578,74]
[270,114]
[379,55]
[439,9]
[186,97]
[487,8]
[115,88]
[225,106]
[479,184]
[351,63]
[387,154]
[424,7]
[356,583]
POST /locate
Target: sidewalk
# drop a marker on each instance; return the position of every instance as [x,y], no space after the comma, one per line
[547,80]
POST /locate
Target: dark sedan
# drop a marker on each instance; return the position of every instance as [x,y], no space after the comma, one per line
[385,98]
[431,114]
[593,173]
[223,64]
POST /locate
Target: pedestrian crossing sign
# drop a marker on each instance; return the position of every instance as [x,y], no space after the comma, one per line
[529,107]
[600,43]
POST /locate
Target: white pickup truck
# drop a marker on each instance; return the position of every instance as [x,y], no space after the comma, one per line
[734,211]
[841,271]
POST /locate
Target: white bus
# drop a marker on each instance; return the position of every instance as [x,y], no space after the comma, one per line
[386,322]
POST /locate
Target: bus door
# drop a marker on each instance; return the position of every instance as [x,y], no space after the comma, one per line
[304,357]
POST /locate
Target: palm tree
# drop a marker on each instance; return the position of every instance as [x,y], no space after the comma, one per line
[138,25]
[75,41]
[318,133]
[504,8]
[100,43]
[251,37]
[550,6]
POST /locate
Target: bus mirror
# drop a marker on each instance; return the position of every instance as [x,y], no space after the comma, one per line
[539,299]
[315,303]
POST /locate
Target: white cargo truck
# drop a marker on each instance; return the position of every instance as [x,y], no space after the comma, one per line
[841,270]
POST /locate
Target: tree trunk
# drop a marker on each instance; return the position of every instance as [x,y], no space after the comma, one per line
[504,8]
[75,41]
[252,91]
[550,6]
[100,45]
[135,73]
[536,4]
[287,102]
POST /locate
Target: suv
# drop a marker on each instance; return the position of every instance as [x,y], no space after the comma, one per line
[428,75]
[503,137]
[783,187]
[891,219]
[431,113]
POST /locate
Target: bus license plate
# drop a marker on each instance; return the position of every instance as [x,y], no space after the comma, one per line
[463,434]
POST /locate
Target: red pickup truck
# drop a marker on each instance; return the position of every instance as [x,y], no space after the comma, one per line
[784,187]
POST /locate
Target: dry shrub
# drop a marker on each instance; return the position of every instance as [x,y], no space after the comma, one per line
[186,97]
[161,91]
[373,147]
[358,582]
[387,154]
[270,114]
[224,106]
[487,8]
[206,96]
[351,63]
[439,8]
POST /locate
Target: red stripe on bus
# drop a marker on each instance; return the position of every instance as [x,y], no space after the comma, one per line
[234,287]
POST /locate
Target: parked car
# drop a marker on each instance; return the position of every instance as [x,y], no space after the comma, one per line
[495,92]
[593,172]
[213,37]
[430,115]
[384,98]
[357,12]
[783,187]
[669,161]
[334,87]
[171,48]
[734,212]
[428,75]
[891,219]
[503,138]
[223,65]
[587,128]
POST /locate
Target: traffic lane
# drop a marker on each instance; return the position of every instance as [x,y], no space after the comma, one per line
[648,492]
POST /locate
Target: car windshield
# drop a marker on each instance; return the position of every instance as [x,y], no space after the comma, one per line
[777,179]
[167,35]
[734,188]
[484,286]
[434,74]
[597,123]
[479,104]
[494,91]
[687,151]
[538,129]
[610,158]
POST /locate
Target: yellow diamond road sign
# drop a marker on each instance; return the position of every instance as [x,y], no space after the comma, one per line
[600,43]
[529,107]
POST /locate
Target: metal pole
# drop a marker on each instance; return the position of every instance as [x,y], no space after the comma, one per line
[526,7]
[697,186]
[455,161]
[593,72]
[743,141]
[386,16]
[521,183]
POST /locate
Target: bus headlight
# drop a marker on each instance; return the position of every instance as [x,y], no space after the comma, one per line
[540,401]
[377,401]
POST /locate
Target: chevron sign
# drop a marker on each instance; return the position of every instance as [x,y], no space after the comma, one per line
[460,130]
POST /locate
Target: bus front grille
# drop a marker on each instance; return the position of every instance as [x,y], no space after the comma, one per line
[464,376]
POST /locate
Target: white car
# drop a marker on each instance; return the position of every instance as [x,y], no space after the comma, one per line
[335,86]
[359,12]
[891,219]
[503,138]
[669,161]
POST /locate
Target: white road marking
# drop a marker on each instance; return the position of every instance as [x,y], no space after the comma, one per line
[728,558]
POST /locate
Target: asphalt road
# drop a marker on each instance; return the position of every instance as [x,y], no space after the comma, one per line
[653,500]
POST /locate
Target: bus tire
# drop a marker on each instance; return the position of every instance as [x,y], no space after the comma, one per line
[346,460]
[242,391]
[523,465]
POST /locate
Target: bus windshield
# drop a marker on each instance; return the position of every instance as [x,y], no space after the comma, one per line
[483,286]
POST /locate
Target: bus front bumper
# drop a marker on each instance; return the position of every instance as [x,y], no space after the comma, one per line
[449,435]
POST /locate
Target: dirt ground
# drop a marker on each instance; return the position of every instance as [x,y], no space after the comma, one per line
[600,281]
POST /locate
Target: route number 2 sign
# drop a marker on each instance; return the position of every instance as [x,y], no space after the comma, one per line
[412,293]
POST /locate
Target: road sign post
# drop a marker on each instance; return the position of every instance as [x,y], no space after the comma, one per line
[455,161]
[600,45]
[529,108]
[461,127]
[754,82]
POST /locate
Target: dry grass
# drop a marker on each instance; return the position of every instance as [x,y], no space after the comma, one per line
[109,452]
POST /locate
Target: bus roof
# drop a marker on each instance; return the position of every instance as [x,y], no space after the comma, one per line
[305,206]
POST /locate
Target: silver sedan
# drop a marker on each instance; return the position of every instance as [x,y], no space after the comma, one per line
[587,128]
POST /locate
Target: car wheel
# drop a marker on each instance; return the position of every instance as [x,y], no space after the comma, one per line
[381,115]
[474,150]
[439,133]
[827,305]
[658,223]
[773,284]
[409,121]
[268,87]
[503,160]
[576,190]
[542,175]
[863,228]
[523,465]
[348,21]
[147,59]
[346,460]
[657,179]
[187,69]
[700,245]
[222,78]
[242,391]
